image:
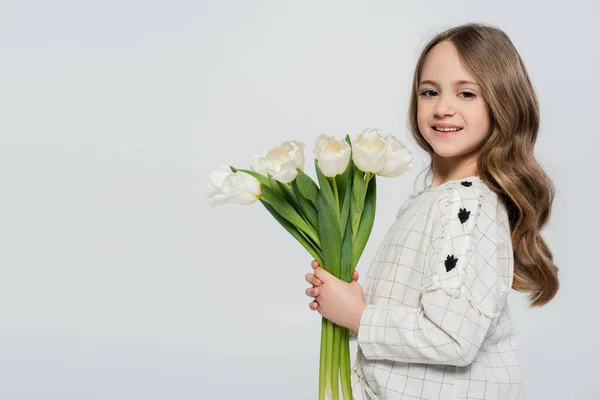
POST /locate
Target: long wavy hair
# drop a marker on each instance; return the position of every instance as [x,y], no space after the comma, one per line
[506,161]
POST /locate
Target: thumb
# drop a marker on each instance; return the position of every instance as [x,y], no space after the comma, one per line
[322,274]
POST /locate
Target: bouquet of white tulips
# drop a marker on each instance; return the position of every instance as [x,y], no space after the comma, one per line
[332,220]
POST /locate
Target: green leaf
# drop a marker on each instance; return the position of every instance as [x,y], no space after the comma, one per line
[286,192]
[289,213]
[329,233]
[325,188]
[308,188]
[348,140]
[366,221]
[359,188]
[306,206]
[261,178]
[347,196]
[346,265]
[343,180]
[294,232]
[274,184]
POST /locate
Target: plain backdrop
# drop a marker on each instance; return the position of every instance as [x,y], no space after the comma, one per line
[117,281]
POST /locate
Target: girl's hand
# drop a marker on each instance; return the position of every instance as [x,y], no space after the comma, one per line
[315,282]
[340,302]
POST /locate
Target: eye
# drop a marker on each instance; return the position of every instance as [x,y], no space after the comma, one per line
[469,95]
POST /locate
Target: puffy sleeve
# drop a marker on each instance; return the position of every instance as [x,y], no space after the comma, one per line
[467,277]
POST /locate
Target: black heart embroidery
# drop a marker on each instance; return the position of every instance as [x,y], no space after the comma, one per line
[450,262]
[466,183]
[463,215]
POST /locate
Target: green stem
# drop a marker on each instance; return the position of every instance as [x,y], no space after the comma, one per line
[329,358]
[335,368]
[323,358]
[336,196]
[345,366]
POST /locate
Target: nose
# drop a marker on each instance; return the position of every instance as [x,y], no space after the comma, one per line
[443,107]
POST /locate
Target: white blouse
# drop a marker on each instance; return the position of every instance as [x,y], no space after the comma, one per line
[436,323]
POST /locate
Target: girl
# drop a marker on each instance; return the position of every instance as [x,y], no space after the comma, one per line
[433,320]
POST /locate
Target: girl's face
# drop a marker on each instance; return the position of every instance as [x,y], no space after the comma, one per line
[443,100]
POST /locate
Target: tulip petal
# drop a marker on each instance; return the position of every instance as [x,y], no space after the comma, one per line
[242,188]
[217,176]
[332,154]
[398,158]
[281,162]
[368,150]
[225,186]
[218,200]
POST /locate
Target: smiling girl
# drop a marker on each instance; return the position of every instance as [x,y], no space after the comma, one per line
[432,320]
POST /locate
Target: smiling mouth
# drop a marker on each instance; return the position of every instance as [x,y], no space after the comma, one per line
[446,131]
[446,134]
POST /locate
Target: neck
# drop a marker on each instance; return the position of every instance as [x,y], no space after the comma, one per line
[447,169]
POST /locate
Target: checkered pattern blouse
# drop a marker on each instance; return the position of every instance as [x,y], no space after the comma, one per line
[436,323]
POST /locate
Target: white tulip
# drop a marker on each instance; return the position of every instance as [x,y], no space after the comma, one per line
[332,154]
[225,186]
[281,162]
[368,150]
[398,159]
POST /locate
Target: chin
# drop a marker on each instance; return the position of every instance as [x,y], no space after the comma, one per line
[446,153]
[448,149]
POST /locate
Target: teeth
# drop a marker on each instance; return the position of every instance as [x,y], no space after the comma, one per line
[447,129]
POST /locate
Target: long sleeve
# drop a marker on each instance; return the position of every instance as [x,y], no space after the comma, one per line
[463,286]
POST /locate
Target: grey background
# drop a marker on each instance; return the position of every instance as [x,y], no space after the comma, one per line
[117,281]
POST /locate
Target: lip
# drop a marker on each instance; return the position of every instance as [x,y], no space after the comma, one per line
[445,134]
[445,125]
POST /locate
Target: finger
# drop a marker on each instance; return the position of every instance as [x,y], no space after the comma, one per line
[323,275]
[312,279]
[309,277]
[355,275]
[314,264]
[312,292]
[313,305]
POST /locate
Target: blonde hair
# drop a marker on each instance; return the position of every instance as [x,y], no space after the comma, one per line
[506,161]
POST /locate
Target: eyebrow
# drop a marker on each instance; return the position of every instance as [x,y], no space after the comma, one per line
[456,83]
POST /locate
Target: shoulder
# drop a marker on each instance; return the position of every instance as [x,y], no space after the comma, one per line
[469,201]
[471,190]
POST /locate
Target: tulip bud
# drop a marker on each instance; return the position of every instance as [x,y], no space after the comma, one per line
[398,159]
[332,154]
[224,186]
[368,150]
[281,162]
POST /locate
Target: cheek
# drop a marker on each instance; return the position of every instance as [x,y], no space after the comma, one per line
[422,119]
[479,124]
[423,128]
